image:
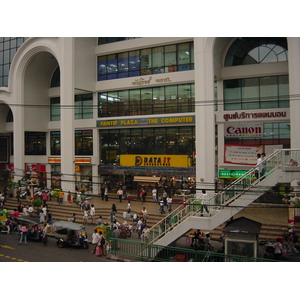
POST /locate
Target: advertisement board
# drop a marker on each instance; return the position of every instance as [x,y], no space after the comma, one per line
[243,155]
[154,160]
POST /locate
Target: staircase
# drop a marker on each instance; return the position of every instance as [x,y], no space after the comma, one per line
[228,202]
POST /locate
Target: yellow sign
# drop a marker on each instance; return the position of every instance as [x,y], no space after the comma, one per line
[179,161]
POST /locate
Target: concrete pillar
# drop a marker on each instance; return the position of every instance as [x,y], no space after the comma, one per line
[294,79]
[204,112]
[67,114]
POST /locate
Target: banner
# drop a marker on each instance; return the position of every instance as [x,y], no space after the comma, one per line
[243,155]
[155,160]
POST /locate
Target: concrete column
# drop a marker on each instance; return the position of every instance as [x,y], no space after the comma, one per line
[204,111]
[67,114]
[19,132]
[294,79]
[95,162]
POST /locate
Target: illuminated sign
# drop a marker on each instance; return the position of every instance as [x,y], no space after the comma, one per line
[244,130]
[146,121]
[155,161]
[231,173]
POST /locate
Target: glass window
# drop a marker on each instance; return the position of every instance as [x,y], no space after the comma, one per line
[170,58]
[171,99]
[146,101]
[83,142]
[55,109]
[102,67]
[112,66]
[84,106]
[256,50]
[158,100]
[184,57]
[55,142]
[146,61]
[135,102]
[250,93]
[124,108]
[134,63]
[123,65]
[35,143]
[268,92]
[255,93]
[158,60]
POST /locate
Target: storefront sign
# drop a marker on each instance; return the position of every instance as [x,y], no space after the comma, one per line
[244,130]
[272,114]
[54,160]
[231,173]
[148,80]
[147,121]
[154,160]
[243,155]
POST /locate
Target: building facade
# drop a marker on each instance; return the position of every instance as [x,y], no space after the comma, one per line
[83,111]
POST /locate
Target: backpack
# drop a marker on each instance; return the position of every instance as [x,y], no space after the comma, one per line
[102,242]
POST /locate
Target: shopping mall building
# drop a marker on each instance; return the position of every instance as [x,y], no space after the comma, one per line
[124,110]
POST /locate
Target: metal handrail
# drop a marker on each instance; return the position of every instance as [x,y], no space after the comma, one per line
[278,159]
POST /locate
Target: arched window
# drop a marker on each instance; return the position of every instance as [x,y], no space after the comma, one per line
[253,50]
[10,117]
[55,81]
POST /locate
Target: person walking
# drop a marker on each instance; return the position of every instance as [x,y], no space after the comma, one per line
[264,164]
[61,197]
[143,195]
[113,210]
[144,213]
[44,236]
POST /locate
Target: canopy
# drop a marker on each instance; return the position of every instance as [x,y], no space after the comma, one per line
[69,225]
[146,179]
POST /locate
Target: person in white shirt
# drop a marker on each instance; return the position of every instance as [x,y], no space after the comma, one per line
[95,240]
[169,203]
[154,195]
[258,167]
[205,202]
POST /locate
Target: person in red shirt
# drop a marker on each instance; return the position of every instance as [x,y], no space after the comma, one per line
[15,214]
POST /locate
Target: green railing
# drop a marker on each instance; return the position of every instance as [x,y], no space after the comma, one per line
[157,253]
[280,159]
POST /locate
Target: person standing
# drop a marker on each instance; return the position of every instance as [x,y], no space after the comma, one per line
[18,194]
[23,236]
[61,197]
[106,193]
[143,195]
[120,194]
[258,167]
[277,249]
[154,194]
[169,203]
[92,213]
[144,213]
[85,217]
[264,164]
[44,236]
[164,196]
[95,240]
[69,198]
[44,197]
[161,206]
[205,202]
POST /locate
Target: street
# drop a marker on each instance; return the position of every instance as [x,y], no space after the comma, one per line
[11,251]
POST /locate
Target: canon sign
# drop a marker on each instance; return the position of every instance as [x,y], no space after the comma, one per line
[244,130]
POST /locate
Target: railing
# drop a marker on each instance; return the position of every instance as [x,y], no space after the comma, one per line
[151,252]
[280,159]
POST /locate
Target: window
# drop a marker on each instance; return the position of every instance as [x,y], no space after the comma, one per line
[160,140]
[83,142]
[55,109]
[55,142]
[253,50]
[84,106]
[55,80]
[35,143]
[163,59]
[157,100]
[107,40]
[8,48]
[256,93]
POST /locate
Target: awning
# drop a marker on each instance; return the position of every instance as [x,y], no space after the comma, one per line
[146,179]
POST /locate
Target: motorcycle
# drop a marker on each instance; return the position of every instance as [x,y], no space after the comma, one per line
[70,234]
